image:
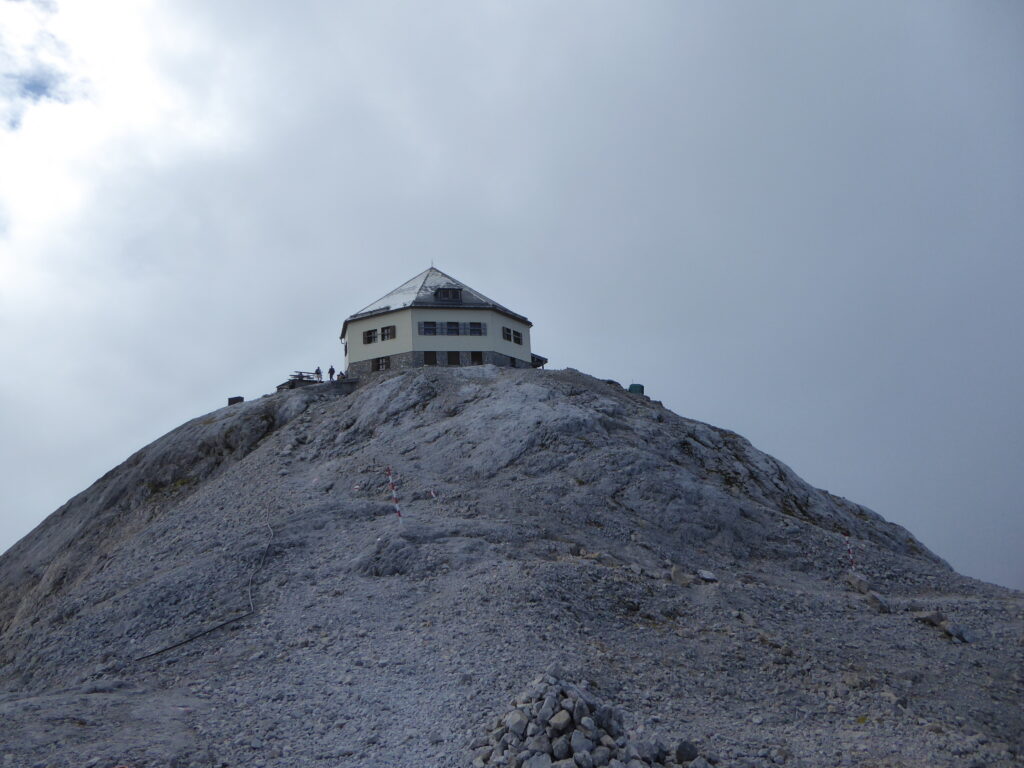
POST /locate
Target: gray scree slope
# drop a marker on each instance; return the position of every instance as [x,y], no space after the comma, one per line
[548,519]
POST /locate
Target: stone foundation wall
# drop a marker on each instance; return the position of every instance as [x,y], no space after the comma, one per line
[495,358]
[415,360]
[398,363]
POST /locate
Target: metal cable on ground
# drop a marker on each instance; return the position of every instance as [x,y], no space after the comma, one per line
[250,612]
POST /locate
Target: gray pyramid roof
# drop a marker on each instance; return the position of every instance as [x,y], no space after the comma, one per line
[419,292]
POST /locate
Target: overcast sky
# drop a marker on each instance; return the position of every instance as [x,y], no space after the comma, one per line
[801,221]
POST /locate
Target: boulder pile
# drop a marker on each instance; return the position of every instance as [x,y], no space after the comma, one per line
[558,724]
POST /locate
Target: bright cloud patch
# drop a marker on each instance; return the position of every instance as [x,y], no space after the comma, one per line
[35,64]
[90,94]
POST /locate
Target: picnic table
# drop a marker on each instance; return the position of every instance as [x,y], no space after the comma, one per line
[305,378]
[298,379]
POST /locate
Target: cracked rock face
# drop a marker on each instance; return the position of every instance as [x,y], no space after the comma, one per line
[242,592]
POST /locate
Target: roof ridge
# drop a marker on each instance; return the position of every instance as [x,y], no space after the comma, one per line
[396,290]
[423,282]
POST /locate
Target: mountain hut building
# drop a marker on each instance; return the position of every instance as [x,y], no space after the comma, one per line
[433,319]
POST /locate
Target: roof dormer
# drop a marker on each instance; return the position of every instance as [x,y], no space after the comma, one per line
[431,288]
[448,295]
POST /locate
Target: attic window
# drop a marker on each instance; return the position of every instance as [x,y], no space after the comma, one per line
[449,295]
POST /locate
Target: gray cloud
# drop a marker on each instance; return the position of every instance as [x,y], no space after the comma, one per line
[21,89]
[797,222]
[36,85]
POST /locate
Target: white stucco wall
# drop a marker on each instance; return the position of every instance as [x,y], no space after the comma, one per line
[403,341]
[406,322]
[492,342]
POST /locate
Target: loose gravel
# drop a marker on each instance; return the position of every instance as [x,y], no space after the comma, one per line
[666,594]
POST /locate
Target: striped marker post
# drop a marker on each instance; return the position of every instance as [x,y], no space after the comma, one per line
[394,491]
[849,552]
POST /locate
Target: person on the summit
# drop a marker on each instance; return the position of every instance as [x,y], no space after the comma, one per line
[319,374]
[330,373]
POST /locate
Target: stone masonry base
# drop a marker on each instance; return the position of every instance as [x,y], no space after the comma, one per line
[415,360]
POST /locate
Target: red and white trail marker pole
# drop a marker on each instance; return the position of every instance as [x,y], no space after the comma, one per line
[394,491]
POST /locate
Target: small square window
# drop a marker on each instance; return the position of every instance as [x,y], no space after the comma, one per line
[517,337]
[506,334]
[369,337]
[453,358]
[430,358]
[387,332]
[476,358]
[382,363]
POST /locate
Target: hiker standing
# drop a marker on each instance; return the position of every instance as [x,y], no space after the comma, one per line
[319,374]
[330,373]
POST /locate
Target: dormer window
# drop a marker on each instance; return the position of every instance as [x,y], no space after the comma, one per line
[449,295]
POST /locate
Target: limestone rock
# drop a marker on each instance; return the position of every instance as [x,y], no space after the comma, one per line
[538,761]
[877,602]
[353,636]
[579,742]
[685,751]
[560,748]
[857,582]
[934,618]
[516,722]
[681,577]
[561,720]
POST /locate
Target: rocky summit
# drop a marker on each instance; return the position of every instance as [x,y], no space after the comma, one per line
[489,567]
